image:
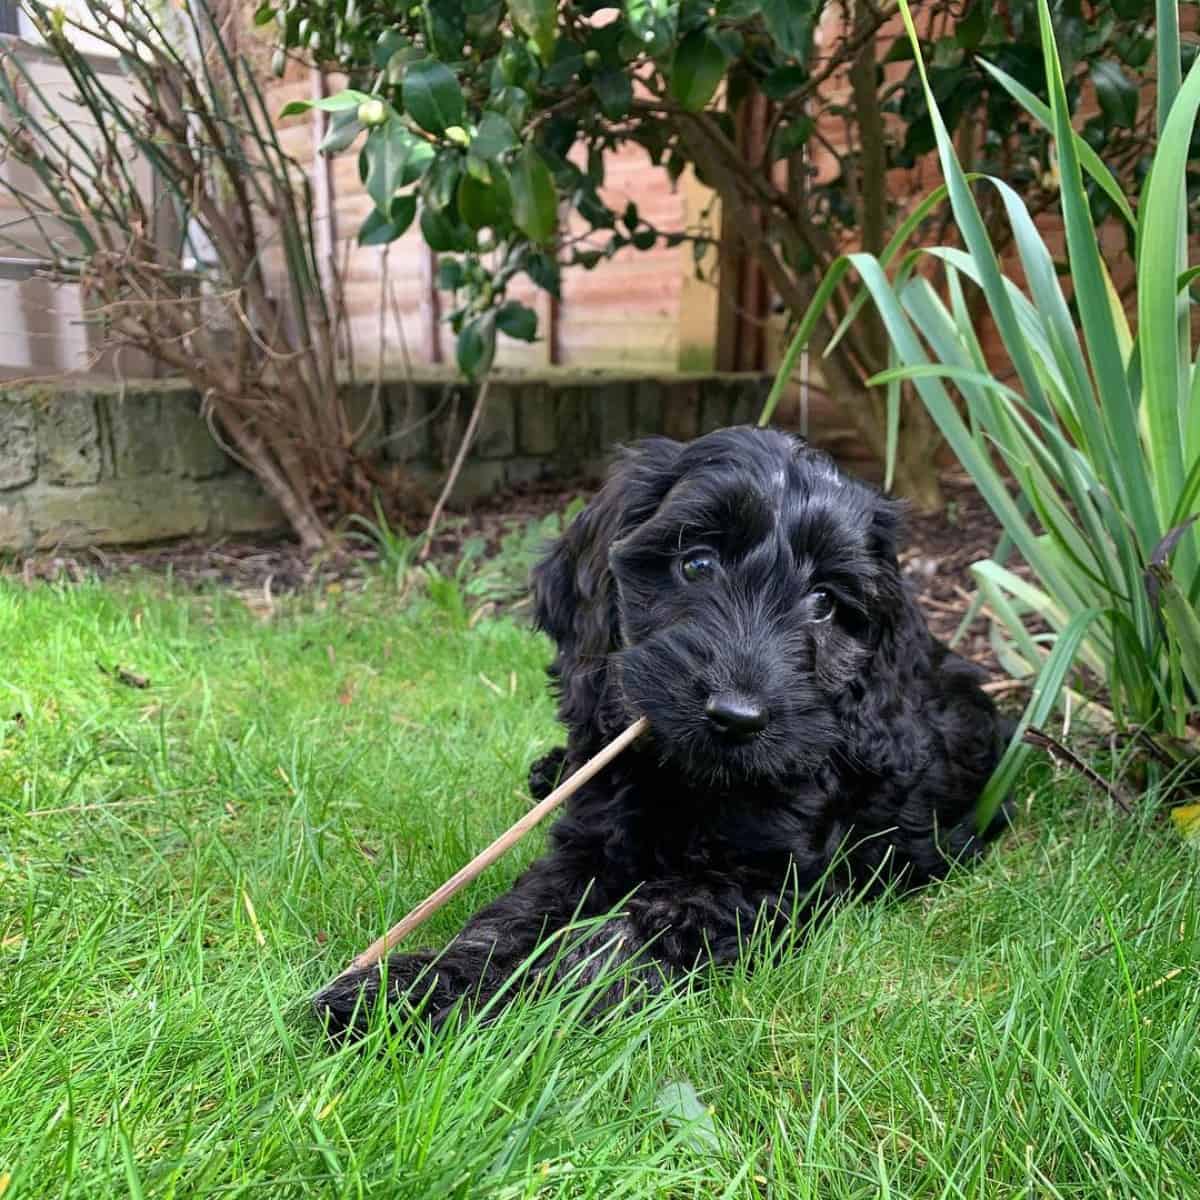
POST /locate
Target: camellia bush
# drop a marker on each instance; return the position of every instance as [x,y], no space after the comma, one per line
[1101,428]
[487,123]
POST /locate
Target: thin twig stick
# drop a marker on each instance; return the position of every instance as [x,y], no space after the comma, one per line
[467,438]
[1057,751]
[377,949]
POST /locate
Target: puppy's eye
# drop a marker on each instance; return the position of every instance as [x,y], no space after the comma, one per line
[697,567]
[820,605]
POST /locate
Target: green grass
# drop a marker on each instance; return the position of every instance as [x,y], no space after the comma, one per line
[1029,1029]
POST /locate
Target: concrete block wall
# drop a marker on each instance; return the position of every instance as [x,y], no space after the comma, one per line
[100,465]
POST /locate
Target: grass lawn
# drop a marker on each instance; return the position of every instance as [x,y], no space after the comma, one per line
[182,865]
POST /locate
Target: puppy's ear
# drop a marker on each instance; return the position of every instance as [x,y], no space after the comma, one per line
[575,601]
[887,525]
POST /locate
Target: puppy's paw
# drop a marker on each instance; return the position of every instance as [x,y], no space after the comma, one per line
[344,1006]
[547,773]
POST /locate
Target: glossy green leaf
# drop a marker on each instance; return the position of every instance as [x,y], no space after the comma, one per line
[783,81]
[791,136]
[340,102]
[614,90]
[432,96]
[517,321]
[440,185]
[543,269]
[389,43]
[476,346]
[380,229]
[536,19]
[790,23]
[971,27]
[420,156]
[535,200]
[450,276]
[513,104]
[344,129]
[1116,92]
[494,137]
[651,26]
[442,233]
[696,70]
[385,153]
[484,205]
[445,28]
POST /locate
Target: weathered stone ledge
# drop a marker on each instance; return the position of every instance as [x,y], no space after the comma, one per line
[90,465]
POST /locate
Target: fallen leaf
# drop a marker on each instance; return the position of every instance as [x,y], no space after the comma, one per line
[259,936]
[1153,987]
[260,605]
[125,675]
[484,610]
[680,1105]
[1187,821]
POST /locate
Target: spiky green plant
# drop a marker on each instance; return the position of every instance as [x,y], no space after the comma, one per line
[1101,430]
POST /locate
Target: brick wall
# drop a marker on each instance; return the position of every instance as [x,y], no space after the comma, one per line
[101,465]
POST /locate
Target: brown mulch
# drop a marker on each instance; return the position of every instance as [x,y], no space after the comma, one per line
[258,562]
[936,557]
[937,552]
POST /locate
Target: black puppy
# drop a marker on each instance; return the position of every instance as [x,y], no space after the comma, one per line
[808,737]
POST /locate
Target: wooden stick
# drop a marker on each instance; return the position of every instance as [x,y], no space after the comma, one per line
[484,859]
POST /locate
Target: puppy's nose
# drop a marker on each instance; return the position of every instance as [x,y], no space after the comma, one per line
[736,716]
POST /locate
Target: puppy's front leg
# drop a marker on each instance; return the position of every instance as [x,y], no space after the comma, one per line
[661,933]
[474,966]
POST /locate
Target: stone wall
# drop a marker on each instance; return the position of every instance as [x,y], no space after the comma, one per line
[109,466]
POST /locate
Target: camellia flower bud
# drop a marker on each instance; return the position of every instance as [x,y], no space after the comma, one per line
[372,112]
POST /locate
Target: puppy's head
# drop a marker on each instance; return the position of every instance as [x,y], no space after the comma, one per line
[729,590]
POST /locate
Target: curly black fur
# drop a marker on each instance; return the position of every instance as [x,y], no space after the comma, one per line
[808,736]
